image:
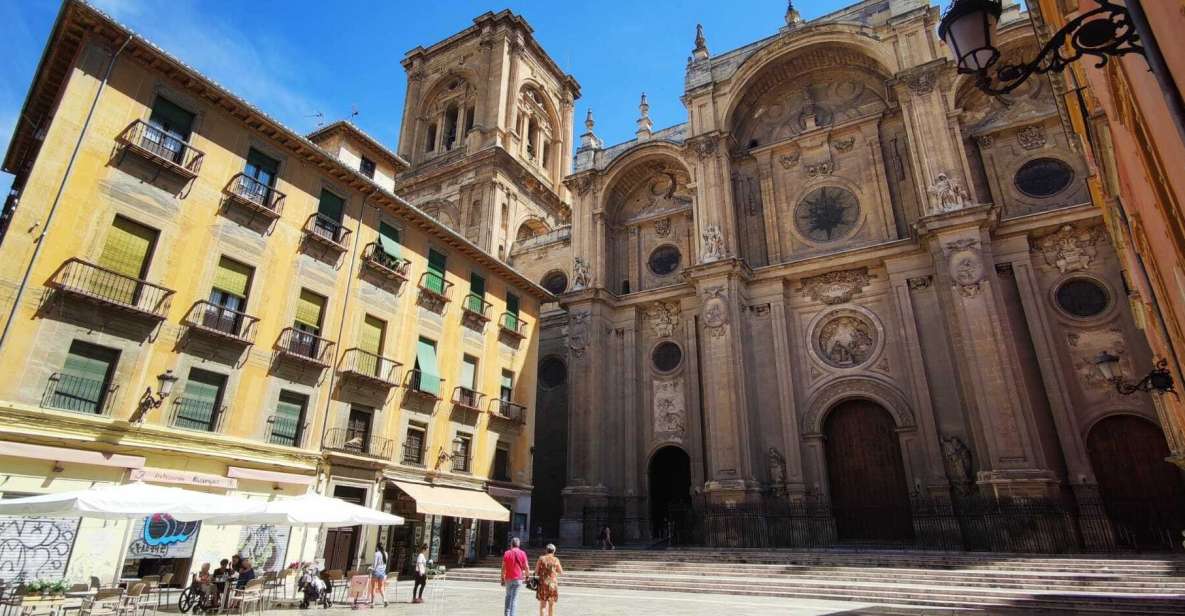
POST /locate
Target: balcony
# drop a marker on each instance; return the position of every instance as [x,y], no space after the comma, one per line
[508,411]
[221,322]
[255,195]
[475,309]
[377,259]
[435,289]
[556,235]
[286,430]
[414,383]
[108,288]
[413,453]
[468,399]
[66,392]
[512,325]
[326,231]
[162,149]
[358,442]
[369,367]
[305,347]
[199,415]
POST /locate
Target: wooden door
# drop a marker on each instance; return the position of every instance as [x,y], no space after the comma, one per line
[1142,493]
[339,548]
[869,493]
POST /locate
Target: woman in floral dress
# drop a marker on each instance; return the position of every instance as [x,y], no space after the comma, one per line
[548,570]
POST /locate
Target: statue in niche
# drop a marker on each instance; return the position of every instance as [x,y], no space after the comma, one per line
[581,274]
[958,463]
[713,244]
[777,467]
[948,195]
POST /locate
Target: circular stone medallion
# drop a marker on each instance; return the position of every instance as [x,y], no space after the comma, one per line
[827,213]
[846,340]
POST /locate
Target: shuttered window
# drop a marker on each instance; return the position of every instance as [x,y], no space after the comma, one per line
[512,311]
[199,405]
[469,372]
[233,277]
[507,389]
[171,118]
[309,309]
[370,339]
[389,239]
[437,264]
[331,206]
[85,378]
[429,373]
[126,252]
[477,293]
[288,419]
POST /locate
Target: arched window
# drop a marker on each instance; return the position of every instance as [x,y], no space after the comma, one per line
[469,113]
[532,138]
[430,143]
[450,127]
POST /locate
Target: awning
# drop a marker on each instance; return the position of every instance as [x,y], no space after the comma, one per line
[435,500]
[61,454]
[239,472]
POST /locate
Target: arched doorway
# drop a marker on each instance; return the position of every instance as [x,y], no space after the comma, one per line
[1143,494]
[869,493]
[670,488]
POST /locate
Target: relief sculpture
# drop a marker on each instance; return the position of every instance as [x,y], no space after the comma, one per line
[847,340]
[669,412]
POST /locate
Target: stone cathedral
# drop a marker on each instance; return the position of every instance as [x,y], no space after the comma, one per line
[849,278]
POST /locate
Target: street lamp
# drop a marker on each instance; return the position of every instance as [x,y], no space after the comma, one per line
[164,388]
[969,29]
[1159,379]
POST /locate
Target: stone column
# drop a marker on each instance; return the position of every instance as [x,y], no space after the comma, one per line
[931,129]
[960,245]
[713,194]
[791,438]
[587,348]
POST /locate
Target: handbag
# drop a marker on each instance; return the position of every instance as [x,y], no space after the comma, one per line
[532,582]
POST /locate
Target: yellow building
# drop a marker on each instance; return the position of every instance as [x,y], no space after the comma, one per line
[195,294]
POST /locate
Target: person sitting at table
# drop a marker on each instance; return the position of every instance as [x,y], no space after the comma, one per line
[221,576]
[246,573]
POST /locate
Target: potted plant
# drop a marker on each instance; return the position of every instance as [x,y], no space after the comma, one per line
[45,589]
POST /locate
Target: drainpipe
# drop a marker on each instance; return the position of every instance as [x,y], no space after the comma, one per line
[20,292]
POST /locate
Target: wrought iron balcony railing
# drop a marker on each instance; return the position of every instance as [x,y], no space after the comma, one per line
[476,307]
[358,442]
[416,382]
[461,464]
[305,347]
[509,411]
[160,148]
[413,452]
[466,398]
[255,195]
[370,367]
[286,430]
[109,288]
[66,392]
[325,230]
[378,260]
[196,414]
[434,286]
[210,318]
[512,324]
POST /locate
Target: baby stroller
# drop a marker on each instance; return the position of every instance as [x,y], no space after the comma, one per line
[316,591]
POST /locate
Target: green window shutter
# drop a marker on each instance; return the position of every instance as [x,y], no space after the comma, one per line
[308,310]
[437,263]
[232,277]
[507,389]
[331,206]
[389,239]
[477,292]
[203,394]
[426,361]
[85,375]
[170,117]
[512,304]
[469,373]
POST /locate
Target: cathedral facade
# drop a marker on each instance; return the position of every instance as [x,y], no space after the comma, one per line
[849,278]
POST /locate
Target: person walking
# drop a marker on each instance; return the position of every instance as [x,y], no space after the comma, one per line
[607,539]
[378,576]
[548,569]
[514,571]
[417,590]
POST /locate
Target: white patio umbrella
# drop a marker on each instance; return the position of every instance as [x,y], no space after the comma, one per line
[311,510]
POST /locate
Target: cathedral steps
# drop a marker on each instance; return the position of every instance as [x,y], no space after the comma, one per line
[941,580]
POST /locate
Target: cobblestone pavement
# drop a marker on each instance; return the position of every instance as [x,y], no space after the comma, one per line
[485,599]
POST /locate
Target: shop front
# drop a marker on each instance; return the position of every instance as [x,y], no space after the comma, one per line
[451,521]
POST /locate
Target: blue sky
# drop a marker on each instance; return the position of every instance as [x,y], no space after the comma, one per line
[297,58]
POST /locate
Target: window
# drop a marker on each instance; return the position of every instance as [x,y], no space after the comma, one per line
[532,137]
[474,302]
[85,379]
[389,241]
[413,443]
[1043,177]
[331,206]
[552,372]
[462,450]
[426,376]
[666,356]
[366,167]
[506,391]
[437,263]
[370,342]
[358,429]
[228,297]
[546,154]
[450,127]
[501,470]
[431,141]
[469,113]
[469,372]
[169,129]
[1083,298]
[310,310]
[200,406]
[126,252]
[555,282]
[827,213]
[259,177]
[664,260]
[287,424]
[512,311]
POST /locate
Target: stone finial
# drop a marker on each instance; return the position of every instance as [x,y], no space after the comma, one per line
[644,123]
[701,44]
[792,16]
[589,139]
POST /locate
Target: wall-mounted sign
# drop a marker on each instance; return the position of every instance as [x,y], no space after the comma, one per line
[160,536]
[205,480]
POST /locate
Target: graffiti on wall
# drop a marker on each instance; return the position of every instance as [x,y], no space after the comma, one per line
[265,544]
[35,548]
[160,536]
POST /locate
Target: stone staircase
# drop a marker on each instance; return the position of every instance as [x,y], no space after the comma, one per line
[997,583]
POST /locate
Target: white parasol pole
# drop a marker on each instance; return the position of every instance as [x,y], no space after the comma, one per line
[123,552]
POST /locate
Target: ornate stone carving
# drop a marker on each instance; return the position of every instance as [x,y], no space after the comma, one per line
[704,146]
[1086,345]
[662,227]
[856,387]
[846,340]
[957,459]
[776,464]
[581,183]
[417,75]
[669,409]
[985,141]
[919,283]
[947,195]
[921,82]
[821,168]
[713,244]
[578,333]
[715,311]
[836,287]
[663,317]
[790,161]
[966,266]
[844,145]
[1031,137]
[1070,249]
[581,274]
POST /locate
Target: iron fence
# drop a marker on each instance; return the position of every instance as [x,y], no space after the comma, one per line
[112,288]
[66,392]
